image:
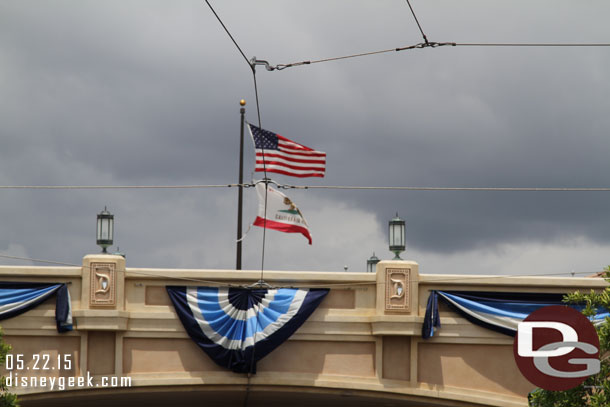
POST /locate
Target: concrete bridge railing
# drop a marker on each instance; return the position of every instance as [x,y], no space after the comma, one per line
[364,341]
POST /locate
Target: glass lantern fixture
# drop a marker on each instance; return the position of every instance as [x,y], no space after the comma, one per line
[371,264]
[396,229]
[105,229]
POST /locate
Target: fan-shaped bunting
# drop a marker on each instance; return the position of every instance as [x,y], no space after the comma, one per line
[237,327]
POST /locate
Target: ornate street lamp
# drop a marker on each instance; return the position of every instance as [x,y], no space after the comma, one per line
[105,229]
[371,264]
[397,236]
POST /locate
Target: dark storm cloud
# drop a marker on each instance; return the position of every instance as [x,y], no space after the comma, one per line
[146,93]
[123,98]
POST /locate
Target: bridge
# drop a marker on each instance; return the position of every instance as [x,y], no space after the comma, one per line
[361,347]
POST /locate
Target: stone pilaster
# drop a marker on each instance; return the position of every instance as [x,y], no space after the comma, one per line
[103,293]
[397,285]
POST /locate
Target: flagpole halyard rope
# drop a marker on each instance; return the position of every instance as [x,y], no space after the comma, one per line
[264,227]
[261,281]
[253,67]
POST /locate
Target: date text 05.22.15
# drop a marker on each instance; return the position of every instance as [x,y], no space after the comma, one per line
[38,361]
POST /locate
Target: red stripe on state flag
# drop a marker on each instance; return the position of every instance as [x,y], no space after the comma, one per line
[282,227]
[278,212]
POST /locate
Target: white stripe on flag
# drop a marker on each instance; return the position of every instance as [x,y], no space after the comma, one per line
[289,157]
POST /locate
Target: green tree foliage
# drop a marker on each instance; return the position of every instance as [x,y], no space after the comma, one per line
[6,399]
[595,391]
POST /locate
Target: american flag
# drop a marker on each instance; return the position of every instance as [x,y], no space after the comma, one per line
[284,156]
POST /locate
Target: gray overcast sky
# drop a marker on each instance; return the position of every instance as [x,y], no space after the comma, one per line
[146,93]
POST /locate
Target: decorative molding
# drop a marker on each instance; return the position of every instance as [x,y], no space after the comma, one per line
[397,292]
[102,285]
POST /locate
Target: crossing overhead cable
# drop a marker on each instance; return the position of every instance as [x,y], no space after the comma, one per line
[490,189]
[227,31]
[252,64]
[345,187]
[433,44]
[429,44]
[417,21]
[532,44]
[76,187]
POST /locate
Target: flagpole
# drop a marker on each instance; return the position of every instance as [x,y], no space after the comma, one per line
[240,194]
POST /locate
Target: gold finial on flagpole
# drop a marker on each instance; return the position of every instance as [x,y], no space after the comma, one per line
[242,102]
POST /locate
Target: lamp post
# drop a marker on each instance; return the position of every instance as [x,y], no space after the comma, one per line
[371,264]
[105,229]
[396,229]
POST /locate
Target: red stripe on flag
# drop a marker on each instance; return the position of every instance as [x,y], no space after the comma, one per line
[287,157]
[294,160]
[282,227]
[299,153]
[288,141]
[269,163]
[292,174]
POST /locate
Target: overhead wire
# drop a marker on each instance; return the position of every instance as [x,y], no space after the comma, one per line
[530,44]
[286,186]
[69,187]
[425,44]
[252,64]
[472,189]
[55,263]
[228,32]
[429,44]
[417,22]
[433,44]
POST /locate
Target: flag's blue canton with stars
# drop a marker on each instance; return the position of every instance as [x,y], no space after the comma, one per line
[278,154]
[264,139]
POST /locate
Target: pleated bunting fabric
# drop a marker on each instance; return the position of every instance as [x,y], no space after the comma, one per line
[500,312]
[17,298]
[237,327]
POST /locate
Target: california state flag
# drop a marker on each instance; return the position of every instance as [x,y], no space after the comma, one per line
[282,214]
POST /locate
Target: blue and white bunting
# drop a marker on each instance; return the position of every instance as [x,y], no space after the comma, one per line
[237,327]
[500,312]
[17,298]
